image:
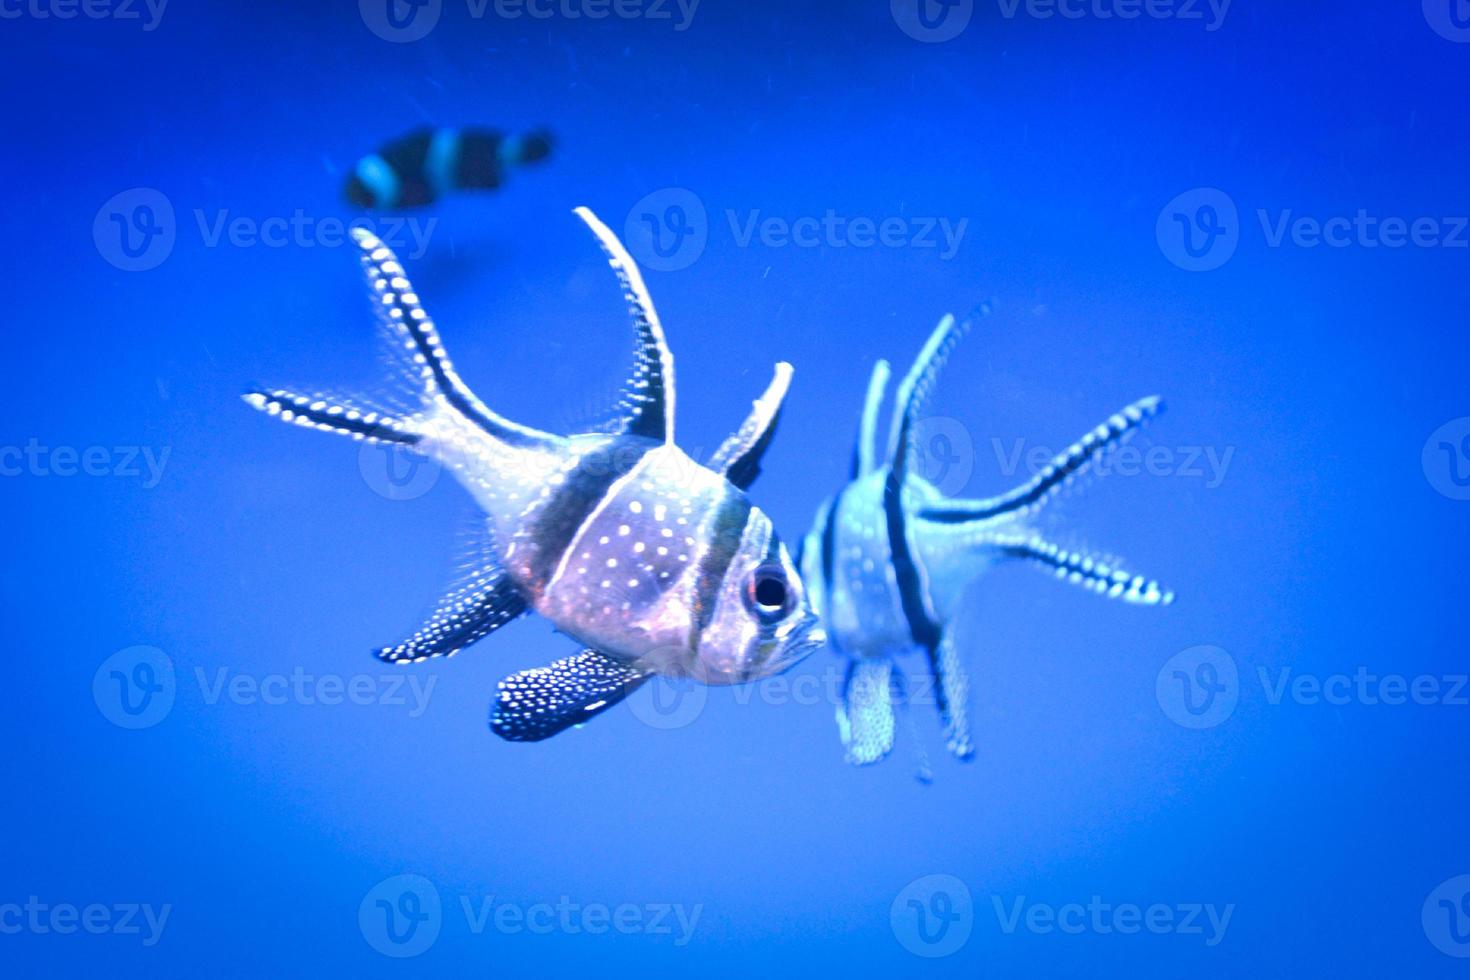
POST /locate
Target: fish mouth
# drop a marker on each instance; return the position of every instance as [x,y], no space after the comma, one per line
[806,642]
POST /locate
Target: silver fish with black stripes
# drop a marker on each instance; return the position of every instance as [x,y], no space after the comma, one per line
[889,557]
[656,564]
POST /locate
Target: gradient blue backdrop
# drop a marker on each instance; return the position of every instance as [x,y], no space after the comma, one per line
[263,549]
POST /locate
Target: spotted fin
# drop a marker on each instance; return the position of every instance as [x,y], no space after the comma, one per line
[415,340]
[953,686]
[739,457]
[332,414]
[485,600]
[646,407]
[865,719]
[1113,432]
[536,704]
[1084,570]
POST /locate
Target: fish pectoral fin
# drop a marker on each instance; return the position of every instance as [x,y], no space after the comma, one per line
[646,407]
[536,704]
[482,602]
[739,456]
[867,706]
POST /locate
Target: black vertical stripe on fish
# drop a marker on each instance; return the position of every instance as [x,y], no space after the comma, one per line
[726,531]
[829,543]
[922,628]
[556,525]
[420,167]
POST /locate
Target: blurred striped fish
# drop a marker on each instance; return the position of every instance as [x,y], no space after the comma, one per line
[419,168]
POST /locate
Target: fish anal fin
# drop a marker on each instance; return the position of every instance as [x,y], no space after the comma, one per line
[483,600]
[532,705]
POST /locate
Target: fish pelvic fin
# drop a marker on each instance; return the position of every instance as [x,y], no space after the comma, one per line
[646,406]
[533,705]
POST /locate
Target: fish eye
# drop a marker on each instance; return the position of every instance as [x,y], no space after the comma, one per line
[769,594]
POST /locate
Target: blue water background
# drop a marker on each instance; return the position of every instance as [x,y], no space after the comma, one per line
[262,549]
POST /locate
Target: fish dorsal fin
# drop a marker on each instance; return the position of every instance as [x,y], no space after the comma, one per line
[918,385]
[647,404]
[739,457]
[865,453]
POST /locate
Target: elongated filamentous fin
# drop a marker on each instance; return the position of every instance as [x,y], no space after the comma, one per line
[865,719]
[406,322]
[918,385]
[1113,432]
[536,704]
[319,413]
[865,453]
[646,407]
[1084,570]
[739,456]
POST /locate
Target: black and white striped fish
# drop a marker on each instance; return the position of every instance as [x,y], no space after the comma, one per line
[889,557]
[423,166]
[656,564]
